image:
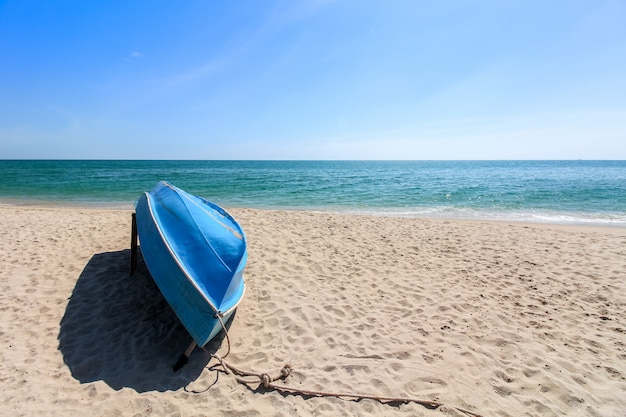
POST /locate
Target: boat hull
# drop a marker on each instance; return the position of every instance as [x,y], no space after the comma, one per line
[194,280]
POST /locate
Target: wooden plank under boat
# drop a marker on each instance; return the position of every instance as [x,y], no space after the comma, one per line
[196,253]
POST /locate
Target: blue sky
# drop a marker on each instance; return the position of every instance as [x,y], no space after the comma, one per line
[313,79]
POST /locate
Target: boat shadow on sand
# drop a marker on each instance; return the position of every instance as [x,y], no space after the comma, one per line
[119,329]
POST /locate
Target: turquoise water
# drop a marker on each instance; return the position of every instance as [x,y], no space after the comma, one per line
[589,192]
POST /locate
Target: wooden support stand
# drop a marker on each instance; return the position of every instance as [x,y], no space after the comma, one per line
[133,244]
[184,358]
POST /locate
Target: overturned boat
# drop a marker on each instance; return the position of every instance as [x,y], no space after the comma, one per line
[196,253]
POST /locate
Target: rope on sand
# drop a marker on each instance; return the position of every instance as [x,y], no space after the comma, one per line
[266,381]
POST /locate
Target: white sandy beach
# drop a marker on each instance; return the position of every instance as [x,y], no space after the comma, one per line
[498,319]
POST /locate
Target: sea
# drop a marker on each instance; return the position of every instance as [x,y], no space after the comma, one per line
[563,192]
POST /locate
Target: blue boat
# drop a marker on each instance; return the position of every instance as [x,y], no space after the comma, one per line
[196,253]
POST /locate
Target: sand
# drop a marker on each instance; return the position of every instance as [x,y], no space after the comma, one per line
[494,318]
